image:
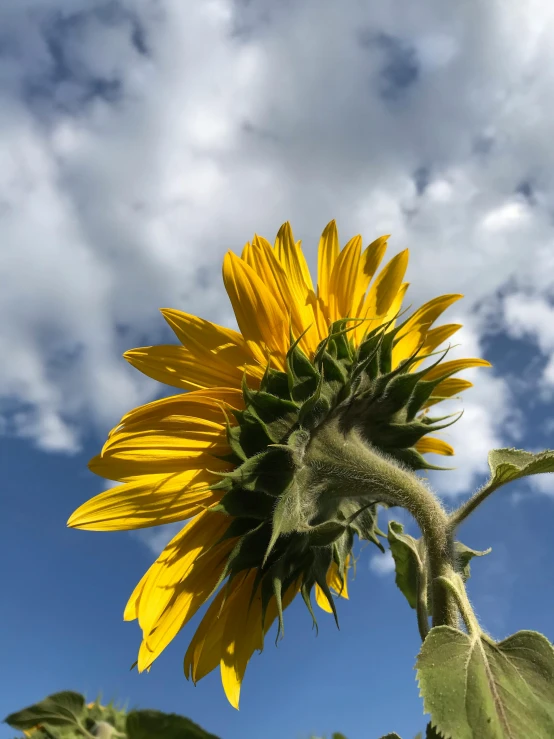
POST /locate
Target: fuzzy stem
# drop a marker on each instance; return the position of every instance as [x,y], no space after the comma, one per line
[352,468]
[459,515]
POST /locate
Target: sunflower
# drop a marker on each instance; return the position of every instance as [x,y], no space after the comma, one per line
[242,453]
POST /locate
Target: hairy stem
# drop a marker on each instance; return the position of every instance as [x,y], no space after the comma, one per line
[349,467]
[459,515]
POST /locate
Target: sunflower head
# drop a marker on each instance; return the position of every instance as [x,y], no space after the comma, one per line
[262,454]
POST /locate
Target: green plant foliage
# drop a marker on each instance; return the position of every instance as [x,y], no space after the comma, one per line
[64,709]
[407,553]
[65,716]
[507,465]
[474,687]
[464,555]
[158,725]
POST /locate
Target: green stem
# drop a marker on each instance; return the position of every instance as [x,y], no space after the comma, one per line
[459,515]
[346,465]
[456,586]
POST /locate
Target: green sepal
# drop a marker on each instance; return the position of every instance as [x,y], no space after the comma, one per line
[276,415]
[325,533]
[413,459]
[316,408]
[305,592]
[269,471]
[364,523]
[248,437]
[339,345]
[303,377]
[275,383]
[242,503]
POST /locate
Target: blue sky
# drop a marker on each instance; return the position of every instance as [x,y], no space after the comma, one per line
[138,142]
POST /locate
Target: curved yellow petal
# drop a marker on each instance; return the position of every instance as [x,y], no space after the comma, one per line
[177,562]
[344,278]
[258,315]
[211,344]
[435,337]
[169,439]
[431,445]
[265,263]
[206,404]
[321,600]
[204,651]
[455,365]
[383,295]
[179,367]
[293,262]
[415,330]
[371,258]
[242,635]
[446,389]
[328,252]
[120,468]
[340,586]
[130,612]
[153,500]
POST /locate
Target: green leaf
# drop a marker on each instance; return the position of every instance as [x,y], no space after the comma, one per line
[507,465]
[464,555]
[59,709]
[158,725]
[337,735]
[407,560]
[393,735]
[431,732]
[475,688]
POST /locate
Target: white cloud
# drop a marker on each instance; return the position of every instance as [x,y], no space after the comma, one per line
[126,175]
[158,537]
[382,564]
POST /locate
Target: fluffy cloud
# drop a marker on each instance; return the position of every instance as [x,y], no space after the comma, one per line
[139,141]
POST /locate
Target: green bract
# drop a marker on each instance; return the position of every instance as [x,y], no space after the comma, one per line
[295,507]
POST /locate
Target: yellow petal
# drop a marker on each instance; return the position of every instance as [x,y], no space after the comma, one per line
[207,404]
[177,563]
[371,258]
[131,609]
[120,468]
[151,501]
[328,252]
[179,367]
[431,445]
[415,330]
[382,294]
[241,636]
[266,264]
[169,439]
[293,262]
[455,365]
[213,345]
[334,580]
[204,651]
[446,389]
[261,321]
[344,278]
[435,337]
[321,600]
